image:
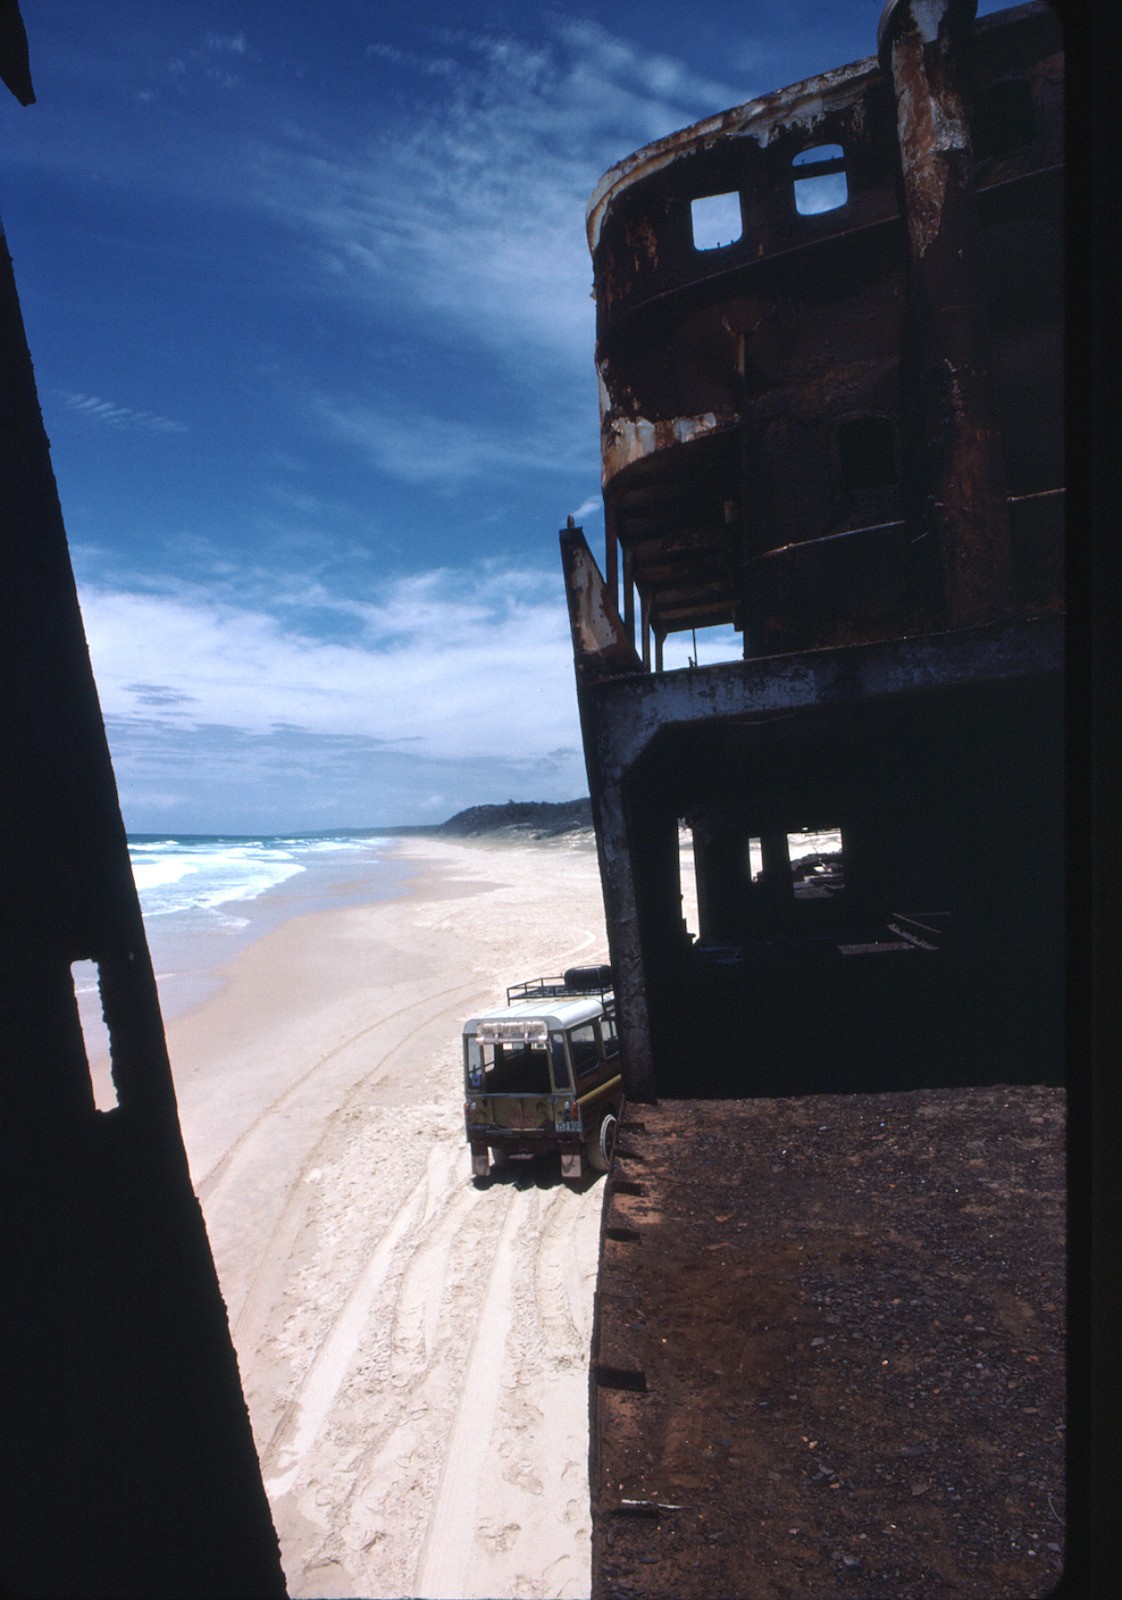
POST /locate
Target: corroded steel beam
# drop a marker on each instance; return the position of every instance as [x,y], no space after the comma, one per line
[601,646]
[603,652]
[926,46]
[631,712]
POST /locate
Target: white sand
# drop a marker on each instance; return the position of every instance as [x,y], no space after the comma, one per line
[413,1350]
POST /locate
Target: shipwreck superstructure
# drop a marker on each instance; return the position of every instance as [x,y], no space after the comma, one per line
[830,348]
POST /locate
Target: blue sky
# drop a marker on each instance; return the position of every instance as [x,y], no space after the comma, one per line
[308,294]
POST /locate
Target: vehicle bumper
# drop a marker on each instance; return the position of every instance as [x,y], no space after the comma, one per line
[522,1143]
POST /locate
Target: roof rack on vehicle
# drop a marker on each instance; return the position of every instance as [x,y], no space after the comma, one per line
[574,981]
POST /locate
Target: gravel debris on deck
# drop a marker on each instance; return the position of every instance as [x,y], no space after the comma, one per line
[829,1352]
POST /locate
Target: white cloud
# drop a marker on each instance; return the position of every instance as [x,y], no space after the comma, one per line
[451,664]
[216,779]
[594,505]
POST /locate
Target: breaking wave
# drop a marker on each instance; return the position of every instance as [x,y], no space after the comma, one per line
[175,875]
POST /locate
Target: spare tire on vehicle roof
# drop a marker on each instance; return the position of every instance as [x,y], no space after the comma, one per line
[584,979]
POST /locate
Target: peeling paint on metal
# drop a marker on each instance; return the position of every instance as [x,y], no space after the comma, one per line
[928,16]
[595,627]
[924,125]
[927,175]
[599,637]
[930,137]
[629,439]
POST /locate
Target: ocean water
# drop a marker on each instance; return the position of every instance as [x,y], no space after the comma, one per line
[204,897]
[211,878]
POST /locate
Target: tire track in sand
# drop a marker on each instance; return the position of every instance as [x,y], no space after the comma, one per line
[211,1180]
[248,1322]
[302,1421]
[375,1463]
[268,1276]
[408,1379]
[438,1444]
[448,1542]
[532,1524]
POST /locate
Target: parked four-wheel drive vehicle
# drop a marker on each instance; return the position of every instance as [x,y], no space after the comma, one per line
[543,1073]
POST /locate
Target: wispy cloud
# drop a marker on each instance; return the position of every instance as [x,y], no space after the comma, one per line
[112,415]
[456,688]
[226,43]
[159,696]
[666,86]
[462,221]
[219,48]
[470,210]
[447,451]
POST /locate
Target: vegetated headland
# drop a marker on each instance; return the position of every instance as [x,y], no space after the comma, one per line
[527,819]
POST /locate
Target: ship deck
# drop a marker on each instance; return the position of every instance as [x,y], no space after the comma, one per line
[829,1348]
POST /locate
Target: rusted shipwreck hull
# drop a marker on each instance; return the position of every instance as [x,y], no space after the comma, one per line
[832,421]
[829,342]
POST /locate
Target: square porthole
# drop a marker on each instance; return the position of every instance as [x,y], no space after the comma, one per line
[717,221]
[820,181]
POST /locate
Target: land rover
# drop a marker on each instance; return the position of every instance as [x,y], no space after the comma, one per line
[543,1073]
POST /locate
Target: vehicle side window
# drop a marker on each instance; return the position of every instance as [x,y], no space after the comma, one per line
[583,1049]
[609,1035]
[561,1075]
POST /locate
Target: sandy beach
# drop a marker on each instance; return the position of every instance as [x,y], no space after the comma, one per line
[413,1349]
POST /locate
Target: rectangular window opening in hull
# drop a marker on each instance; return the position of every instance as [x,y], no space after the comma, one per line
[87,993]
[820,181]
[817,863]
[717,221]
[687,880]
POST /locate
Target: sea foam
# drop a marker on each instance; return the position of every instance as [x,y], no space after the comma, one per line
[193,873]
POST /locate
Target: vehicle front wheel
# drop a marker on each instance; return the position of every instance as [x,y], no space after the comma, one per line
[600,1150]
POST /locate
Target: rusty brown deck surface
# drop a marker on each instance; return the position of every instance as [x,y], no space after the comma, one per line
[829,1348]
